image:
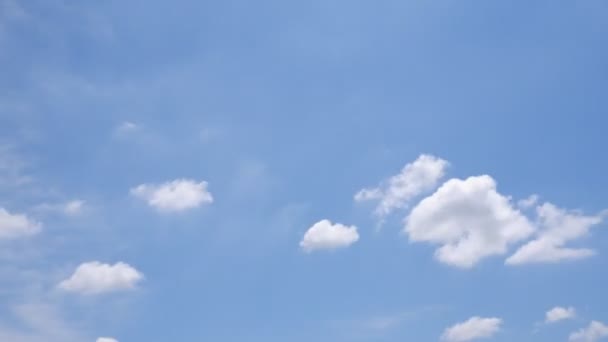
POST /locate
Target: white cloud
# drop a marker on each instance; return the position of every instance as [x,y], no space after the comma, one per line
[473,329]
[558,226]
[95,278]
[559,314]
[70,208]
[415,178]
[174,196]
[127,126]
[469,219]
[14,226]
[325,235]
[528,202]
[106,339]
[594,332]
[74,207]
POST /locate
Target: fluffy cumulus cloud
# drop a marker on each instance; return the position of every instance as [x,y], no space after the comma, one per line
[174,196]
[14,226]
[106,339]
[594,332]
[558,227]
[473,329]
[95,278]
[470,221]
[326,235]
[559,313]
[415,178]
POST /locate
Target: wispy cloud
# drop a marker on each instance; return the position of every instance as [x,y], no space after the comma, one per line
[127,127]
[73,207]
[12,167]
[39,322]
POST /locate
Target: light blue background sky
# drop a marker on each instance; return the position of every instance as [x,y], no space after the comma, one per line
[287,109]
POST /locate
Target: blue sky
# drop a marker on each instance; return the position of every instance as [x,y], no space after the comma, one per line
[303,171]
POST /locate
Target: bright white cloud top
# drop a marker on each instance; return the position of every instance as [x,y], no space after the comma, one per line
[558,227]
[13,226]
[470,221]
[326,235]
[559,313]
[595,331]
[473,329]
[106,339]
[415,178]
[174,196]
[95,278]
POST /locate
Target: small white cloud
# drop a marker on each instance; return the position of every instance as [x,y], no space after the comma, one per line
[325,235]
[470,221]
[594,332]
[127,126]
[174,196]
[558,226]
[528,202]
[95,278]
[106,339]
[74,207]
[559,313]
[415,178]
[473,329]
[13,226]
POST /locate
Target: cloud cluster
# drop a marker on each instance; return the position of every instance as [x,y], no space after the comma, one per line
[470,221]
[476,327]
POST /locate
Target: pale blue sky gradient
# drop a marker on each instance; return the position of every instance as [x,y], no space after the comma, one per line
[288,109]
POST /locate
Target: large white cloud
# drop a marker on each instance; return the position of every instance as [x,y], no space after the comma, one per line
[473,329]
[174,196]
[470,221]
[594,332]
[14,226]
[106,339]
[325,235]
[558,226]
[95,278]
[415,178]
[559,313]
